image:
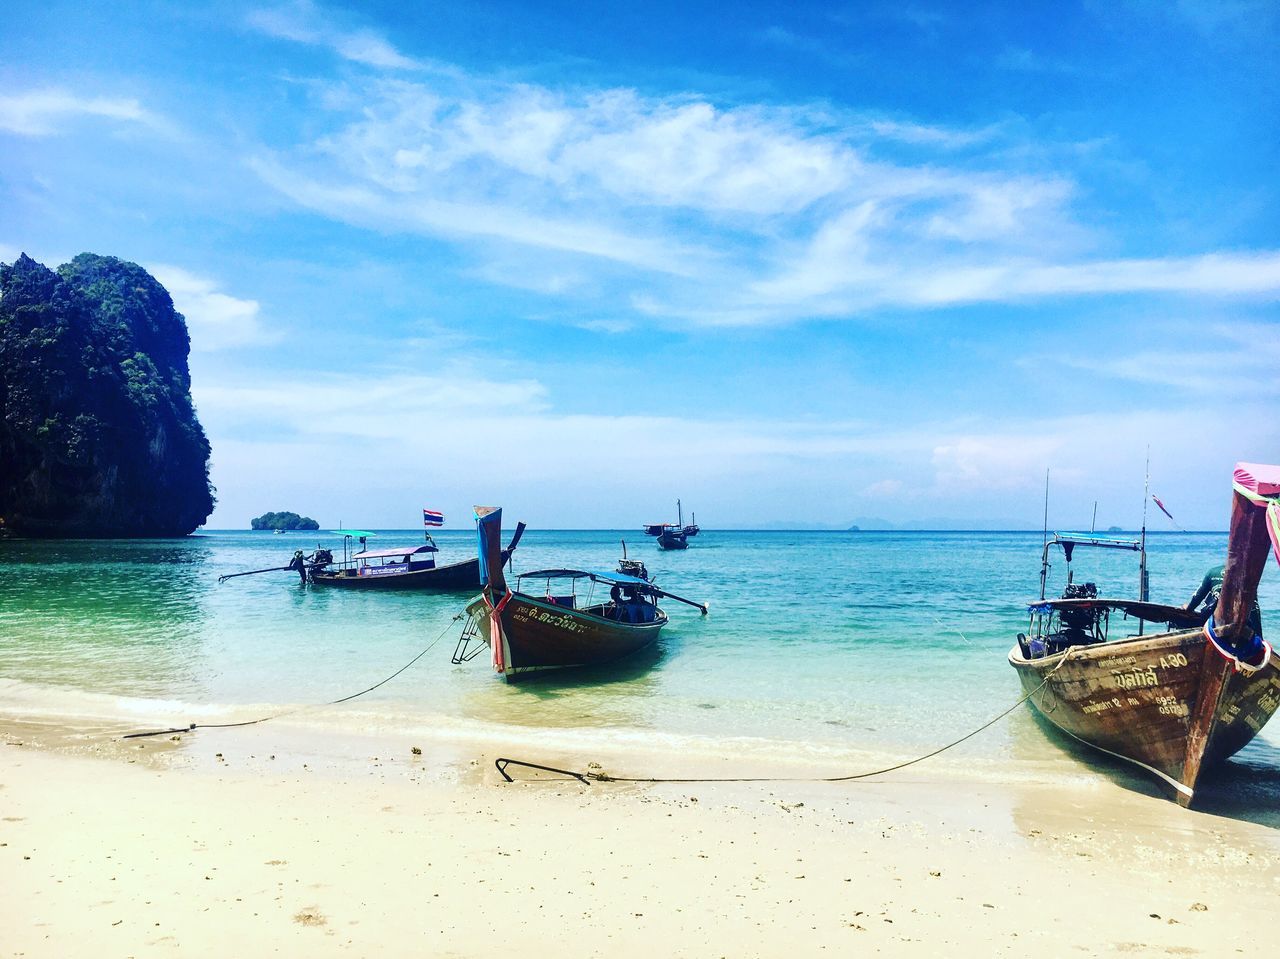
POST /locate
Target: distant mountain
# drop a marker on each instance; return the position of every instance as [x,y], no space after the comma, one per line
[867,523]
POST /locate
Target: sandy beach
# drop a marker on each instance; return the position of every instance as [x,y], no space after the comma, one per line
[249,842]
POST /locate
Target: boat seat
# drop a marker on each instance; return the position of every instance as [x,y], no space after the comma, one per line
[565,601]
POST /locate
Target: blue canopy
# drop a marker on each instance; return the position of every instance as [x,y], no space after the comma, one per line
[588,574]
[1097,539]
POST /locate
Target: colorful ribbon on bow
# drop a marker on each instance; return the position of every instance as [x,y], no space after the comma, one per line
[1260,485]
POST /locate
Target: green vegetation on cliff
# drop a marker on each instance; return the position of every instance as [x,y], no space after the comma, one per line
[283,521]
[98,435]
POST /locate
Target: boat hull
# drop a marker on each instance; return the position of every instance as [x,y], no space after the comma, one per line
[456,577]
[538,636]
[1169,703]
[672,541]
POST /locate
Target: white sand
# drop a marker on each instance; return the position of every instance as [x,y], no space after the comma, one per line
[190,854]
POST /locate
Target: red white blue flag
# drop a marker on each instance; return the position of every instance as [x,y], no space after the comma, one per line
[431,518]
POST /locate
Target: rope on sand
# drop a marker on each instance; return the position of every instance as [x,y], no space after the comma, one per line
[586,778]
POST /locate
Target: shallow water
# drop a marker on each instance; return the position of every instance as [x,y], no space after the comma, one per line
[818,643]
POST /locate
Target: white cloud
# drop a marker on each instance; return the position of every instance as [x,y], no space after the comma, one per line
[215,320]
[994,461]
[923,134]
[1229,359]
[304,22]
[366,206]
[885,488]
[692,212]
[40,113]
[483,434]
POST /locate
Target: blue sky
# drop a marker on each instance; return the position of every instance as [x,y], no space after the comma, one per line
[788,262]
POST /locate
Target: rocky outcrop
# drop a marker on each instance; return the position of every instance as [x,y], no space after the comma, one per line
[98,434]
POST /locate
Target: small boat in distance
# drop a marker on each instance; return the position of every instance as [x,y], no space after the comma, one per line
[558,621]
[1182,699]
[674,535]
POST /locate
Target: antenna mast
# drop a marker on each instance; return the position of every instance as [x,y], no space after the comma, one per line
[1044,539]
[1143,591]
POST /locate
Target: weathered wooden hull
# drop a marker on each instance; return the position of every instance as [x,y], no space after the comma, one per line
[538,636]
[672,541]
[454,577]
[1169,703]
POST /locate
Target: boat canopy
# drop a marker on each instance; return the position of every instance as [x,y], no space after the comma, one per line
[585,574]
[1093,539]
[1177,616]
[352,532]
[401,551]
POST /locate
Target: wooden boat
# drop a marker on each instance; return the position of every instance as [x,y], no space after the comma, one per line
[1182,699]
[674,535]
[407,567]
[563,618]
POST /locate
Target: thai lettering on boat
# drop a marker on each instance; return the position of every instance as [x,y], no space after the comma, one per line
[1136,678]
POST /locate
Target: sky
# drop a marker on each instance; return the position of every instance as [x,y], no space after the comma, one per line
[799,264]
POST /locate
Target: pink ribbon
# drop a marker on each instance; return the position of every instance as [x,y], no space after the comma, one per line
[1260,485]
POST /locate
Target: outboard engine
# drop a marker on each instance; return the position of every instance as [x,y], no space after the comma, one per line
[633,567]
[1079,625]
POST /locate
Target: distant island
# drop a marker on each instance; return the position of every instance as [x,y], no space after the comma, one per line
[283,521]
[98,434]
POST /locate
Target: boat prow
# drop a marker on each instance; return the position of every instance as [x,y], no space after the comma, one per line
[1170,703]
[558,618]
[1177,702]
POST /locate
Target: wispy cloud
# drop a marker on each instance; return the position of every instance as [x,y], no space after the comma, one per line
[46,112]
[718,215]
[304,22]
[928,135]
[215,320]
[1236,359]
[995,468]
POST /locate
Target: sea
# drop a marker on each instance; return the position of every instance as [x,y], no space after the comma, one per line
[838,649]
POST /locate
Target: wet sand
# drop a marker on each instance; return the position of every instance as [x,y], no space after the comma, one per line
[265,841]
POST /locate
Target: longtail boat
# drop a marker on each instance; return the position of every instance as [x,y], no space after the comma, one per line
[1177,701]
[406,567]
[563,623]
[674,535]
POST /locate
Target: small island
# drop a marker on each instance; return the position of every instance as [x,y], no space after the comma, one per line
[283,521]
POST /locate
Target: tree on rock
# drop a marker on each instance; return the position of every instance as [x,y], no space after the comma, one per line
[98,434]
[284,520]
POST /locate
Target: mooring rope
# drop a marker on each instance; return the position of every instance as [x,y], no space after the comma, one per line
[586,778]
[290,712]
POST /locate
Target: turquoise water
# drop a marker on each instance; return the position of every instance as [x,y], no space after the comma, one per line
[817,643]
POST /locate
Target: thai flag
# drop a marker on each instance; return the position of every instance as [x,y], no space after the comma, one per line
[431,518]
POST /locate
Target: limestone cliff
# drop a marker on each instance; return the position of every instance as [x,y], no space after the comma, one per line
[98,435]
